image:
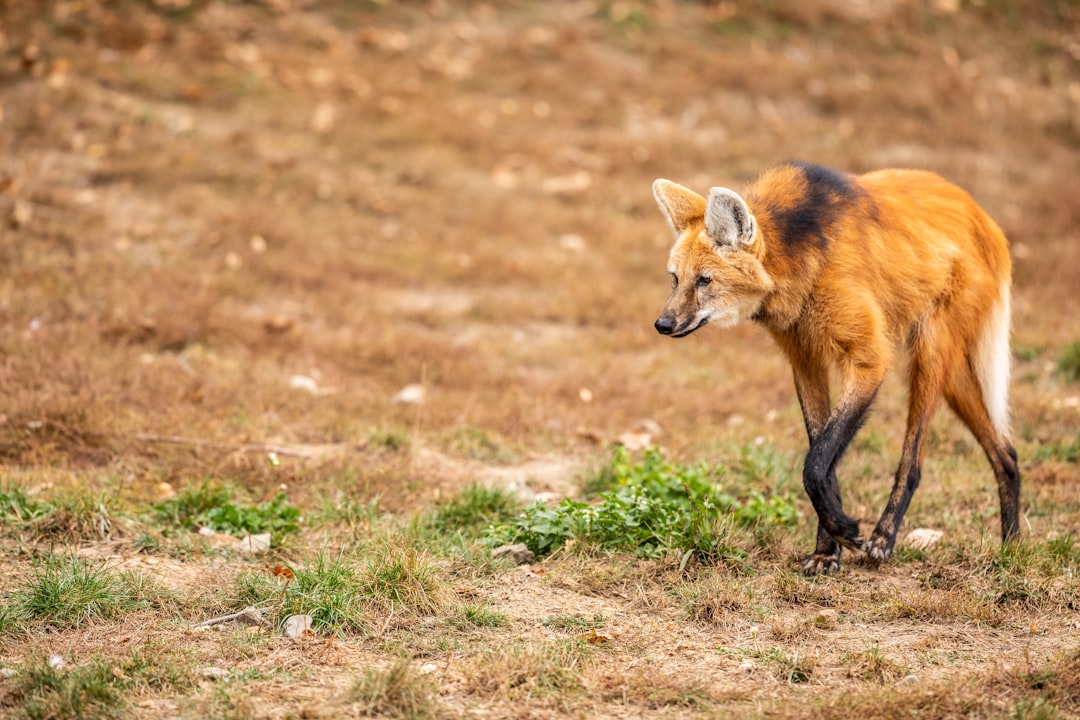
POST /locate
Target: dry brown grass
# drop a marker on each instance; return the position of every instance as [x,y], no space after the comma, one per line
[201,201]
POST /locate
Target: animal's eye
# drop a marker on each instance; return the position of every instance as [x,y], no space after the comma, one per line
[674,280]
[703,281]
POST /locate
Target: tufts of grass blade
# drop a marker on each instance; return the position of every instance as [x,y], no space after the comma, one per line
[473,509]
[399,576]
[68,592]
[328,591]
[395,691]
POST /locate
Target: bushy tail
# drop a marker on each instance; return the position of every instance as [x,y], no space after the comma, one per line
[992,362]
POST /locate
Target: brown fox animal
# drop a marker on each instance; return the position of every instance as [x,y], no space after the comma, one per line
[846,272]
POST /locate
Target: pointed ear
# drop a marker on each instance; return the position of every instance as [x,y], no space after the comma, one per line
[727,219]
[681,206]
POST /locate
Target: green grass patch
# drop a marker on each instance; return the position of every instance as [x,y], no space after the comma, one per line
[654,508]
[80,516]
[327,591]
[67,592]
[397,576]
[17,507]
[344,594]
[470,617]
[575,623]
[1066,451]
[474,509]
[54,688]
[1069,362]
[77,517]
[214,507]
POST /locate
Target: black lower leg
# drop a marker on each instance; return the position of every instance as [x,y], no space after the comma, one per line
[819,473]
[907,479]
[1007,472]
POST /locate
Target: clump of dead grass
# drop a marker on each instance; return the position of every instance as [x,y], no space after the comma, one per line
[648,688]
[548,670]
[873,665]
[717,598]
[395,691]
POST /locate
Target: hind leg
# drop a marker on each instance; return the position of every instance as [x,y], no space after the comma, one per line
[924,392]
[966,399]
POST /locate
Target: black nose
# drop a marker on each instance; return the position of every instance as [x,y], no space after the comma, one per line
[665,324]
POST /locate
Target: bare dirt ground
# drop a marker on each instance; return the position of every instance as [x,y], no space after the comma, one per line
[231,229]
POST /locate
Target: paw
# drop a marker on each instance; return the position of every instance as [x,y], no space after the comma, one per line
[879,549]
[855,543]
[821,564]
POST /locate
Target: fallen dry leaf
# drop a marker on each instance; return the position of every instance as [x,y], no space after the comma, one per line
[282,571]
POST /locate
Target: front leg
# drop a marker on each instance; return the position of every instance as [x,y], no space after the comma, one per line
[826,555]
[819,476]
[812,387]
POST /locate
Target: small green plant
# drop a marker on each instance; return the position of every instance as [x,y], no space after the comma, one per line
[76,517]
[654,508]
[1067,451]
[16,506]
[475,508]
[391,440]
[349,510]
[213,507]
[795,668]
[275,516]
[191,502]
[477,444]
[575,623]
[1069,362]
[478,616]
[67,592]
[396,691]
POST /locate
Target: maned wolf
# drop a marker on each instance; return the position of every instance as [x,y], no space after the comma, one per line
[846,271]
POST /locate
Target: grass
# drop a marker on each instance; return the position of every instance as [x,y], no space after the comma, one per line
[346,593]
[1069,362]
[545,670]
[91,691]
[66,592]
[472,510]
[653,508]
[478,616]
[327,591]
[395,691]
[68,517]
[213,507]
[98,687]
[209,203]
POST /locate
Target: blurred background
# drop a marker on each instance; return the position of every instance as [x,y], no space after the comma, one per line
[408,242]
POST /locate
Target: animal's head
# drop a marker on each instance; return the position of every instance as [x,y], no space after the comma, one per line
[715,266]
